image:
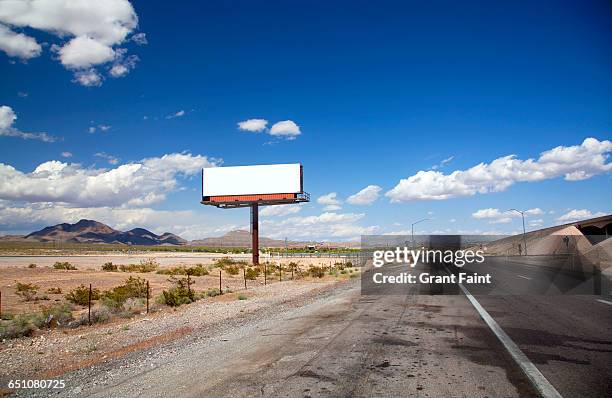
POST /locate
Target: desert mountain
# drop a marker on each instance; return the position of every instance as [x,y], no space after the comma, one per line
[90,231]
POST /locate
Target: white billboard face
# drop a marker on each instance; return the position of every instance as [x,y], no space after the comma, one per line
[252,180]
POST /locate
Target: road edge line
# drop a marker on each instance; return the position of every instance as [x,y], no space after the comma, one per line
[537,379]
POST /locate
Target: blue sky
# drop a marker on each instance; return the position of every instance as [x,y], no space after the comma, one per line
[379,92]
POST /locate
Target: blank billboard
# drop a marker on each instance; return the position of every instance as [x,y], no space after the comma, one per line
[252,180]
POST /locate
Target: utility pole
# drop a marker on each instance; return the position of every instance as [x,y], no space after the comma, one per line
[412,229]
[522,213]
[255,232]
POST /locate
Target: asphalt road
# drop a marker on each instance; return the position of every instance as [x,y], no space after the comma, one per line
[414,342]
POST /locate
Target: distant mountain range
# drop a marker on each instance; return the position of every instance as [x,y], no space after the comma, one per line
[90,231]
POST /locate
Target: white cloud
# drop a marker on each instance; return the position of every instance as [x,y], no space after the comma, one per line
[139,38]
[325,225]
[279,210]
[109,158]
[574,163]
[442,163]
[7,119]
[18,45]
[577,215]
[497,216]
[66,154]
[123,64]
[536,223]
[104,127]
[180,113]
[328,199]
[366,196]
[285,129]
[139,183]
[88,78]
[253,125]
[91,27]
[82,52]
[332,208]
[22,94]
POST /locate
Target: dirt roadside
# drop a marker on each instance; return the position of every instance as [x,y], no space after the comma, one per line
[60,351]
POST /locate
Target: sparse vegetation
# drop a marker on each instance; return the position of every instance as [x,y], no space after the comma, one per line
[80,295]
[32,265]
[54,290]
[252,273]
[27,291]
[196,270]
[57,315]
[181,293]
[148,265]
[242,297]
[134,287]
[316,272]
[26,324]
[64,265]
[109,267]
[230,266]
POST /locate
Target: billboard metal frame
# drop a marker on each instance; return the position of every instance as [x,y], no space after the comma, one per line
[254,201]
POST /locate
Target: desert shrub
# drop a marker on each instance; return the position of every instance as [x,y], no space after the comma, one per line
[212,292]
[148,265]
[80,295]
[348,264]
[27,291]
[196,270]
[32,265]
[134,304]
[316,272]
[242,297]
[109,266]
[252,273]
[269,268]
[21,325]
[64,265]
[226,262]
[54,290]
[180,293]
[343,271]
[222,262]
[57,315]
[233,269]
[133,287]
[100,314]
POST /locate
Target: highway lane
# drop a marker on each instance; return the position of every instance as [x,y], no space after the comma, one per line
[568,337]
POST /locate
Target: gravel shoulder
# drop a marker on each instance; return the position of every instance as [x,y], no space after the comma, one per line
[109,346]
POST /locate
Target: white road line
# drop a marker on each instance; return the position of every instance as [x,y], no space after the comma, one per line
[537,379]
[605,301]
[524,277]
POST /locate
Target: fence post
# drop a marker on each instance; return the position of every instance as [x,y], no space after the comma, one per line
[147,297]
[280,272]
[0,305]
[244,274]
[89,306]
[292,270]
[265,275]
[189,286]
[220,287]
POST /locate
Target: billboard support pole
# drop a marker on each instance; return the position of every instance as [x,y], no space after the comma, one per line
[255,232]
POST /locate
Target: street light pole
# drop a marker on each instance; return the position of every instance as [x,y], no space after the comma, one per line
[412,229]
[522,213]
